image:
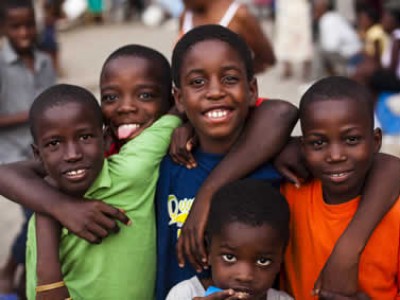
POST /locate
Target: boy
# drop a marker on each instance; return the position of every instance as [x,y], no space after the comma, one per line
[73,159]
[215,93]
[339,144]
[246,242]
[24,73]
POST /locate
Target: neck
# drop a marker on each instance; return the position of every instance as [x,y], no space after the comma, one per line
[335,199]
[216,146]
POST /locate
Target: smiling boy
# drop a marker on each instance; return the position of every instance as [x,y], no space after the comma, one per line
[339,144]
[67,129]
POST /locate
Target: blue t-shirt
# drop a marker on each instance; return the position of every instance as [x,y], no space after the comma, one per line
[176,190]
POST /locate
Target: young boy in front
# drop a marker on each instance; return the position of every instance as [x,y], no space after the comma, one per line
[66,123]
[246,241]
[339,144]
[24,73]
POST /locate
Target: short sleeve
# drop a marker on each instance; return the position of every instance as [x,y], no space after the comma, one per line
[182,291]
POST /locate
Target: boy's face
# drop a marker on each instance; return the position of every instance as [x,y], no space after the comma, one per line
[133,95]
[20,28]
[246,258]
[69,143]
[388,22]
[339,145]
[215,92]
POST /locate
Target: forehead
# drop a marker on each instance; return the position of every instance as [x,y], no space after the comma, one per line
[18,14]
[64,115]
[336,113]
[222,53]
[133,66]
[257,239]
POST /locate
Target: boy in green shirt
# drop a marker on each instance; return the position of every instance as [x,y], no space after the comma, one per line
[66,124]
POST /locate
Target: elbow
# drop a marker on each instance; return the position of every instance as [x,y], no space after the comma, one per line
[285,110]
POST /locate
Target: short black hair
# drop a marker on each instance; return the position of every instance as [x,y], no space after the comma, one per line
[59,95]
[252,202]
[6,5]
[149,54]
[206,33]
[372,13]
[338,88]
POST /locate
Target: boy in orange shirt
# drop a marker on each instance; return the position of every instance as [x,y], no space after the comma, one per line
[339,144]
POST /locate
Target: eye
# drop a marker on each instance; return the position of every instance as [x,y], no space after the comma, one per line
[264,262]
[108,98]
[353,140]
[53,144]
[146,96]
[86,137]
[229,258]
[197,82]
[317,144]
[230,79]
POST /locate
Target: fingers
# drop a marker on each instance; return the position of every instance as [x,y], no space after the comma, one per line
[200,249]
[190,252]
[291,176]
[179,252]
[115,213]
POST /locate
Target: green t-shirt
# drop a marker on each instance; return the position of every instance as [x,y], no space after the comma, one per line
[123,266]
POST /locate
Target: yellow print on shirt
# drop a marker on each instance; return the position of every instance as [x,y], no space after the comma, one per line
[178,211]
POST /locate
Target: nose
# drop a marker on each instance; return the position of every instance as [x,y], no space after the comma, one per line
[23,31]
[215,89]
[127,105]
[245,273]
[336,153]
[72,152]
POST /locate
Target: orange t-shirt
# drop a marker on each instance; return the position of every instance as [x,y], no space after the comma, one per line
[316,226]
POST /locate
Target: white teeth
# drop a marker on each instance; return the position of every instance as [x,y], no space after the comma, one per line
[75,172]
[338,175]
[129,126]
[217,113]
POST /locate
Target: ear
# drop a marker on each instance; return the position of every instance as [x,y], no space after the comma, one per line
[253,89]
[377,139]
[36,153]
[178,100]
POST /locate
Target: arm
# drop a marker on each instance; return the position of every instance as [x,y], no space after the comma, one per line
[48,266]
[253,148]
[340,273]
[90,220]
[249,28]
[395,56]
[14,119]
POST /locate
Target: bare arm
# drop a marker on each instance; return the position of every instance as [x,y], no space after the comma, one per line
[14,119]
[91,220]
[340,273]
[249,28]
[253,148]
[48,268]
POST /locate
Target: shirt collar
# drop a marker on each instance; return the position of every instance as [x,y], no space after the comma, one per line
[102,181]
[10,56]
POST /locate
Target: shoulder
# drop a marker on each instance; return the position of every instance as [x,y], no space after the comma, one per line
[277,295]
[304,192]
[187,289]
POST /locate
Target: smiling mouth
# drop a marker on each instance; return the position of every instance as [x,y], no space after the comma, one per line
[219,114]
[124,131]
[339,176]
[76,175]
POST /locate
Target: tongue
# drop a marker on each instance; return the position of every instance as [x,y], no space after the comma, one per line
[125,131]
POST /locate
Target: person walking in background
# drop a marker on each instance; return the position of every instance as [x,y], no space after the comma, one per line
[293,30]
[236,17]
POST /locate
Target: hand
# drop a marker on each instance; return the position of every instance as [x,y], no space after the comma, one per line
[191,239]
[225,295]
[91,220]
[340,273]
[182,143]
[289,162]
[55,294]
[326,295]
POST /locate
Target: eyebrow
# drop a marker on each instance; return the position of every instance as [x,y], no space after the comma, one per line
[224,68]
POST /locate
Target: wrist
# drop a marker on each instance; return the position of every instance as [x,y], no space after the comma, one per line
[349,248]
